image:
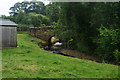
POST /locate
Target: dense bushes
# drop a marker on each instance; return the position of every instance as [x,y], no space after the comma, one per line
[29,14]
[22,27]
[80,26]
[91,28]
[25,21]
[108,42]
[36,20]
[117,56]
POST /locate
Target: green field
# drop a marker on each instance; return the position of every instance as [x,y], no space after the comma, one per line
[29,61]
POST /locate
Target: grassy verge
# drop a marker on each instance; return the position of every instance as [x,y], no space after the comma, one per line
[29,61]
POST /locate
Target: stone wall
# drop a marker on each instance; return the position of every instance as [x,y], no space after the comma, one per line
[41,32]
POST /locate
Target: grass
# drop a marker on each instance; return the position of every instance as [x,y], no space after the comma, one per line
[29,61]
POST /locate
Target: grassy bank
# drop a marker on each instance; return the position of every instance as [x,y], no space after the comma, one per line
[29,61]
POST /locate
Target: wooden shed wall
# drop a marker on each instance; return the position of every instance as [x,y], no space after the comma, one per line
[0,38]
[9,37]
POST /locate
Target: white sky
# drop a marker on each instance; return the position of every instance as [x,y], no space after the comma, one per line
[6,4]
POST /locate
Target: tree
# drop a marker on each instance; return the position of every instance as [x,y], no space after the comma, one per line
[31,19]
[105,14]
[105,18]
[75,19]
[52,11]
[20,18]
[27,7]
[5,17]
[80,26]
[35,19]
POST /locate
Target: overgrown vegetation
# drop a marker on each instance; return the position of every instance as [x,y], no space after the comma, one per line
[29,61]
[92,28]
[108,42]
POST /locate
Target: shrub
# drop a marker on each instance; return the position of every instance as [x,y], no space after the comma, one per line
[108,41]
[22,27]
[117,56]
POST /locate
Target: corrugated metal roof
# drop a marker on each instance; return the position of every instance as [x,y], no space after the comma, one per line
[7,22]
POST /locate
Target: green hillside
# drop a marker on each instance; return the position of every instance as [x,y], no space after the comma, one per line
[29,61]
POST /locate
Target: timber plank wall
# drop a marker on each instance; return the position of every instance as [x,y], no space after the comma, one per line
[9,36]
[0,38]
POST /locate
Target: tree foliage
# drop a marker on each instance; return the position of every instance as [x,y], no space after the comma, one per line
[28,7]
[92,28]
[108,41]
[52,11]
[31,19]
[81,23]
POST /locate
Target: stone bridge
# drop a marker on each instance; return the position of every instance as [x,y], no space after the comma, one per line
[43,33]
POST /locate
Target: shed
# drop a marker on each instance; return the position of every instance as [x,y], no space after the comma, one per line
[9,33]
